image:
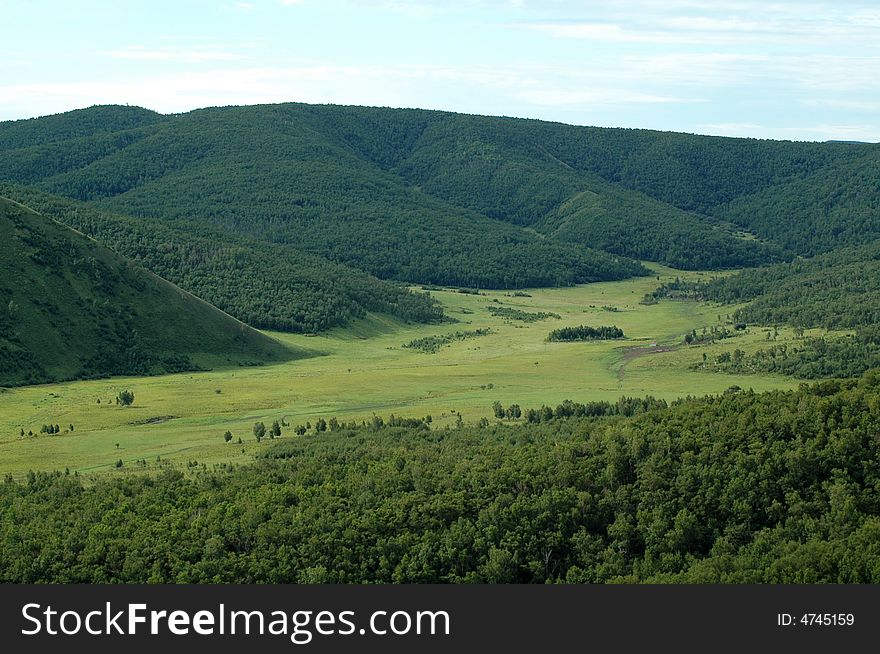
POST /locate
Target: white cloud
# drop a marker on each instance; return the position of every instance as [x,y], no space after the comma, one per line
[726,24]
[561,96]
[684,31]
[190,54]
[829,73]
[810,26]
[247,6]
[849,105]
[400,85]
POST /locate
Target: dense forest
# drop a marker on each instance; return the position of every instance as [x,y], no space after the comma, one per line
[524,171]
[838,290]
[265,285]
[388,190]
[849,355]
[439,198]
[778,487]
[270,173]
[71,309]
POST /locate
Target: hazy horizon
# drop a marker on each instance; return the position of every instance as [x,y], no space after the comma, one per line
[784,70]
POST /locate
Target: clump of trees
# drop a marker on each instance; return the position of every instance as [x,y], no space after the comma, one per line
[585,333]
[125,398]
[432,344]
[708,335]
[513,412]
[509,313]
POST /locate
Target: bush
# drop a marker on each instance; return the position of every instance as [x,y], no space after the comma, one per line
[125,398]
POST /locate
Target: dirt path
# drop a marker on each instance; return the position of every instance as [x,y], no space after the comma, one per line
[635,352]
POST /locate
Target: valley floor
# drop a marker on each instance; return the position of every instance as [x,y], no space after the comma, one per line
[365,370]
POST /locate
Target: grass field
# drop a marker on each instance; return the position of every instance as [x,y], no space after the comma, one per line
[364,369]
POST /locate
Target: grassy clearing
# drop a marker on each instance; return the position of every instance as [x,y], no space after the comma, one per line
[365,369]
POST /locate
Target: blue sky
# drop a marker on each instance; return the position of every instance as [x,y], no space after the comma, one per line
[788,70]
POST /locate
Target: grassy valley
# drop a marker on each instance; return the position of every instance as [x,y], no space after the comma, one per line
[366,369]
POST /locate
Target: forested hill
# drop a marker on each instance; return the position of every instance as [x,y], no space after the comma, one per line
[277,174]
[436,197]
[803,197]
[69,308]
[266,285]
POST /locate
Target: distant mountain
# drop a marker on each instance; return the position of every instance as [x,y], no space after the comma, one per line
[69,308]
[437,197]
[276,174]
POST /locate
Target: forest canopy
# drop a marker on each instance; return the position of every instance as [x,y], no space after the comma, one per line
[741,488]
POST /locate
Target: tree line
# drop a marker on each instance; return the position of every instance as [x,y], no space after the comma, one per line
[744,487]
[585,333]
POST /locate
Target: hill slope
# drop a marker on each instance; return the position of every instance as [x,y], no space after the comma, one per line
[436,197]
[274,174]
[69,308]
[266,285]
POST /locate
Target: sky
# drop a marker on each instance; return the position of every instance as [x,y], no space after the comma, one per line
[783,70]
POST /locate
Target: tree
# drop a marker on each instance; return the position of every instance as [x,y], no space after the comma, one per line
[259,431]
[227,436]
[275,431]
[125,398]
[498,409]
[321,425]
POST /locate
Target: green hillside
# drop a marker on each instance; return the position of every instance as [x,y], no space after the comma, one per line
[69,308]
[72,125]
[436,197]
[838,205]
[506,169]
[273,173]
[676,194]
[838,291]
[266,285]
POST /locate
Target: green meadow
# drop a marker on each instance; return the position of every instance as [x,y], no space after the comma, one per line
[364,369]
